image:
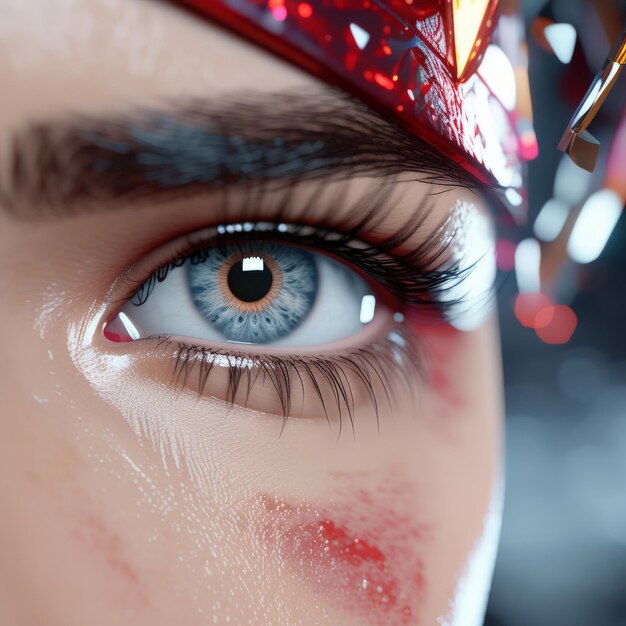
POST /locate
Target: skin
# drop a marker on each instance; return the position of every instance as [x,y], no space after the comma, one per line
[129,501]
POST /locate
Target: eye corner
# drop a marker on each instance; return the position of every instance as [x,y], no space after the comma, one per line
[119,328]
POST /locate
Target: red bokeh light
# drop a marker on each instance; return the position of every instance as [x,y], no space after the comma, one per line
[555,324]
[528,305]
[305,10]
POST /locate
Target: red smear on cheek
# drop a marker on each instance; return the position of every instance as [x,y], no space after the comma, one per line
[362,559]
[365,574]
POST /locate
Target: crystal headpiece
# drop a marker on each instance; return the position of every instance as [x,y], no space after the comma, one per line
[451,71]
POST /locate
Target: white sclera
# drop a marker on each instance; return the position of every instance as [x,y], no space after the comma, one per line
[335,314]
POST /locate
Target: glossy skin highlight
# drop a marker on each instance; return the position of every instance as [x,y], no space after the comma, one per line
[129,501]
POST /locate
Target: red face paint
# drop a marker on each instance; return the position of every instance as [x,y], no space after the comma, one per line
[442,346]
[362,558]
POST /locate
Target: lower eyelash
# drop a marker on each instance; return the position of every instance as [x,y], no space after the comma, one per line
[386,364]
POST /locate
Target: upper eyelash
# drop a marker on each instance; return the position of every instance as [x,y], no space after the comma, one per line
[416,276]
[403,276]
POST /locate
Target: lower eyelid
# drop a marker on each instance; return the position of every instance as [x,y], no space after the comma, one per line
[333,387]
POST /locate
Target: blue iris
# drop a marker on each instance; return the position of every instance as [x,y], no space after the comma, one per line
[282,279]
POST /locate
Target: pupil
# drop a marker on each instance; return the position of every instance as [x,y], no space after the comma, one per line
[251,284]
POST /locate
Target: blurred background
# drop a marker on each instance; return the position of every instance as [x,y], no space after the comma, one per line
[562,558]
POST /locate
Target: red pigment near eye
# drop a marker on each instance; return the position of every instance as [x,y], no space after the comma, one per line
[442,343]
[362,559]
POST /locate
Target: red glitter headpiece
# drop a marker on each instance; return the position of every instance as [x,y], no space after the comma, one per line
[451,71]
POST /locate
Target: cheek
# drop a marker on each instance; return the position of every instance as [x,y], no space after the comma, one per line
[461,371]
[359,554]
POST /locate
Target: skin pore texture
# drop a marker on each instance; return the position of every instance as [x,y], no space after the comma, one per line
[130,500]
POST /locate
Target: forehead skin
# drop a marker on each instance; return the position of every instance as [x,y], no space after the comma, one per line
[98,528]
[63,55]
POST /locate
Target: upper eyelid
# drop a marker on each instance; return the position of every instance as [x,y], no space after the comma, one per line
[299,203]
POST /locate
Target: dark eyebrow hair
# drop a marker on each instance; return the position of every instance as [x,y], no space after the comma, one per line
[83,164]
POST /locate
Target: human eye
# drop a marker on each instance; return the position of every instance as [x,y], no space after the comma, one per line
[243,286]
[292,318]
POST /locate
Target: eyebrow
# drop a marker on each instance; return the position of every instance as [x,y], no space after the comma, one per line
[66,167]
